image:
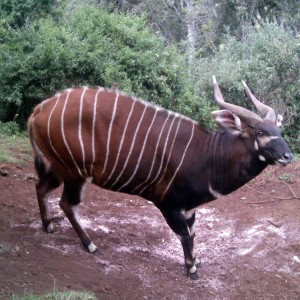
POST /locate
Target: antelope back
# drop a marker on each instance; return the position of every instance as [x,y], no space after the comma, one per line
[117,142]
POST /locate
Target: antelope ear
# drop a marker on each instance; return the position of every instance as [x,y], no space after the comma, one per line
[228,121]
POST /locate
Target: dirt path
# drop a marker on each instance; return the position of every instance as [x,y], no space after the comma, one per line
[250,249]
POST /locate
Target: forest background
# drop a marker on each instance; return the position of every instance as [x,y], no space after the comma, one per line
[164,51]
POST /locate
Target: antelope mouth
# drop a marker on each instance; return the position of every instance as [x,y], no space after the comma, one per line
[282,162]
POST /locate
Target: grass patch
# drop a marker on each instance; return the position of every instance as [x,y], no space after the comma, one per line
[55,295]
[15,148]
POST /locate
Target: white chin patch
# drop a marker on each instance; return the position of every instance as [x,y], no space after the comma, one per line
[262,158]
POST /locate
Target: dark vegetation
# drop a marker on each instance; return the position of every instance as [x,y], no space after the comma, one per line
[162,51]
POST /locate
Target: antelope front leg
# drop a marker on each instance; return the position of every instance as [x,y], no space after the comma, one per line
[182,225]
[69,203]
[190,217]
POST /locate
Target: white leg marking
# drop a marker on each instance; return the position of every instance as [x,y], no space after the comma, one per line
[197,261]
[50,228]
[75,209]
[188,213]
[109,132]
[193,229]
[193,269]
[63,132]
[141,154]
[131,147]
[181,161]
[80,130]
[92,247]
[121,142]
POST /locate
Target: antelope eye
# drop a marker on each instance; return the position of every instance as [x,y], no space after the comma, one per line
[260,133]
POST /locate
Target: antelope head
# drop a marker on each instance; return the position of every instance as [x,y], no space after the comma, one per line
[268,142]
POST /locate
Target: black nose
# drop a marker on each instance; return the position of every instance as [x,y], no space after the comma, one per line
[288,156]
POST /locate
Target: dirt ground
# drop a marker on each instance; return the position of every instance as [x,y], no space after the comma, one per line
[248,242]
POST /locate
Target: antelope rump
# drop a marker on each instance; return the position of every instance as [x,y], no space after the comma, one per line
[124,144]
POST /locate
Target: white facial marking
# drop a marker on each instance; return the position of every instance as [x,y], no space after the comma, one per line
[255,145]
[92,247]
[262,158]
[263,141]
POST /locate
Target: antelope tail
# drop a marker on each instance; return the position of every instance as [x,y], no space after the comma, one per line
[39,163]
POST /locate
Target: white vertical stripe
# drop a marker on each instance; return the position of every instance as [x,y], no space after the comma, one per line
[63,132]
[170,152]
[48,131]
[162,156]
[155,153]
[181,161]
[141,153]
[131,147]
[121,142]
[109,132]
[93,128]
[80,129]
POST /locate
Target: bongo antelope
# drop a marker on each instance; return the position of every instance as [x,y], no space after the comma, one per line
[120,143]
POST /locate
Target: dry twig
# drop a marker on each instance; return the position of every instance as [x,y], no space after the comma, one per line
[294,196]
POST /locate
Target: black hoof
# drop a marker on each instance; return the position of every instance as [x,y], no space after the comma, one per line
[96,252]
[193,276]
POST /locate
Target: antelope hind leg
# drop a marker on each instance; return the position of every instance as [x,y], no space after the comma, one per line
[44,187]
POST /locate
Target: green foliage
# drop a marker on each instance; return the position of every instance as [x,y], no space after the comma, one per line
[15,14]
[10,128]
[91,47]
[267,58]
[14,145]
[55,295]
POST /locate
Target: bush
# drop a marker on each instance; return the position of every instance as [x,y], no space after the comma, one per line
[10,129]
[267,58]
[92,47]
